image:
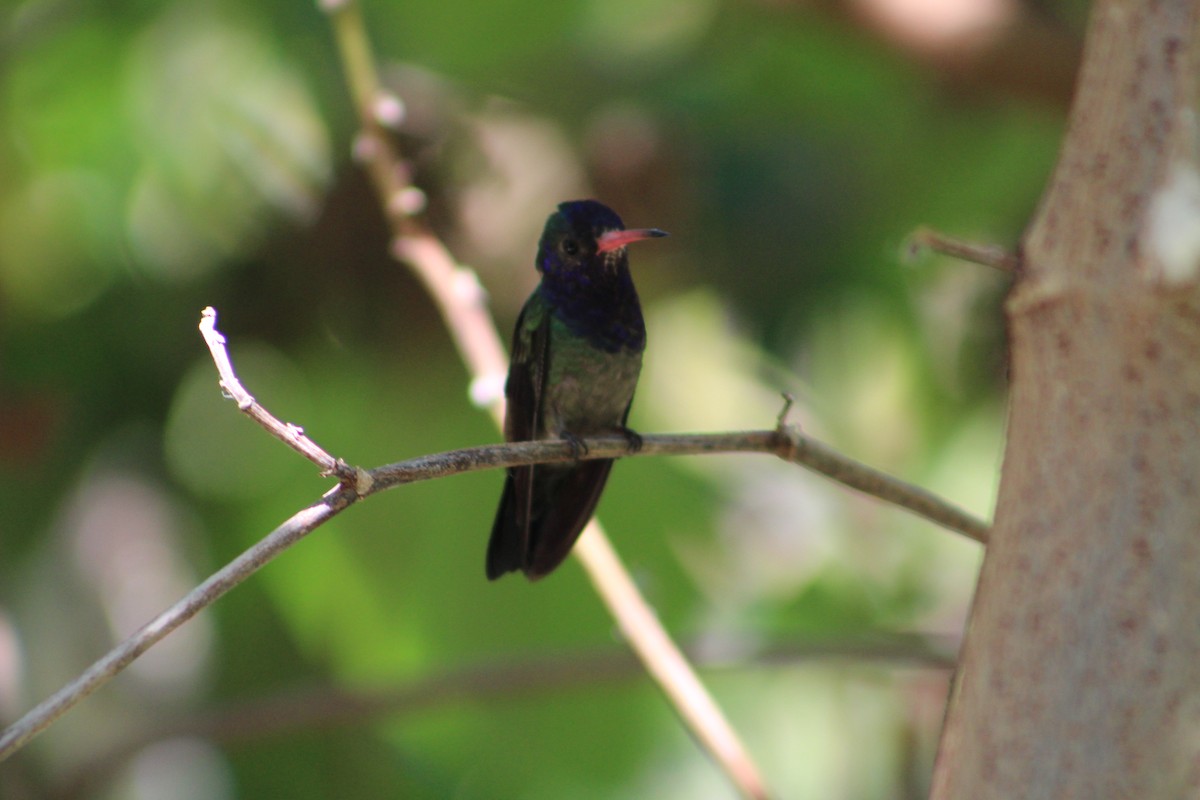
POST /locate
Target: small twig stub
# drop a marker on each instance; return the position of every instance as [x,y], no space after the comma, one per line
[988,255]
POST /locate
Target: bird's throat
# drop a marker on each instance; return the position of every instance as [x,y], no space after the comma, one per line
[603,309]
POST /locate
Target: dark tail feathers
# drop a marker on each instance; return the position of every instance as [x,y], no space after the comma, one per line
[561,501]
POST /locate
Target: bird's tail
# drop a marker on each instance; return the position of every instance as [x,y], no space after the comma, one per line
[561,501]
[506,548]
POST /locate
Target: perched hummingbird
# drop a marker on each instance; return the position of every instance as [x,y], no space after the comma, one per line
[577,352]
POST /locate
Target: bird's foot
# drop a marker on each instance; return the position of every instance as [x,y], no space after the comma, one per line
[578,447]
[632,437]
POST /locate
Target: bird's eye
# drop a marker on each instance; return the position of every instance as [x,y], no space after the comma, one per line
[570,247]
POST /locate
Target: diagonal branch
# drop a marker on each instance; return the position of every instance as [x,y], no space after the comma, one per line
[784,441]
[304,708]
[290,434]
[457,293]
[105,669]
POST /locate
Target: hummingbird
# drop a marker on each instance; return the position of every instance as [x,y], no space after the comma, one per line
[576,355]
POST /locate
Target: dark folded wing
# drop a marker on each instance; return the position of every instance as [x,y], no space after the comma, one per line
[509,545]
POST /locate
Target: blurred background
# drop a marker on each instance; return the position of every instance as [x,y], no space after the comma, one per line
[158,156]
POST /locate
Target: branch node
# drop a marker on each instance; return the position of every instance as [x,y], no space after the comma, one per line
[365,148]
[399,247]
[407,201]
[389,110]
[363,481]
[789,441]
[486,390]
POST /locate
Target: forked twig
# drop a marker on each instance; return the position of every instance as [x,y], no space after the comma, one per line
[784,441]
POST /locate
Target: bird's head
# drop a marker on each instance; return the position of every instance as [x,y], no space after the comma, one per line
[586,235]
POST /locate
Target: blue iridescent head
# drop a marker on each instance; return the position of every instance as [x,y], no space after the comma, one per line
[580,232]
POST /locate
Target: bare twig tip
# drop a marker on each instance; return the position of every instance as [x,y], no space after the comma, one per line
[788,401]
[208,325]
[989,255]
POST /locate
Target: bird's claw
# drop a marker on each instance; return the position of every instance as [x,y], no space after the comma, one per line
[632,437]
[578,447]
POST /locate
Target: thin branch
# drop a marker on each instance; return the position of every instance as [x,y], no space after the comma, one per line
[307,708]
[667,664]
[102,671]
[819,457]
[786,442]
[462,302]
[456,292]
[290,434]
[455,289]
[988,255]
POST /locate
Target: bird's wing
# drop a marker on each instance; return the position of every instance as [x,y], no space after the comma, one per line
[527,370]
[523,421]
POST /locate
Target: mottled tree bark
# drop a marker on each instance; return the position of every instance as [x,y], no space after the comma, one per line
[1080,676]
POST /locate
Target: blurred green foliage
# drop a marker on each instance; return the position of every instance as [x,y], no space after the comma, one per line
[158,157]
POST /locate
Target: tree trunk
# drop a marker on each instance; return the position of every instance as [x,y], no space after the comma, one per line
[1080,676]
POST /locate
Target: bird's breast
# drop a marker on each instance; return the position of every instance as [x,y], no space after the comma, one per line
[588,389]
